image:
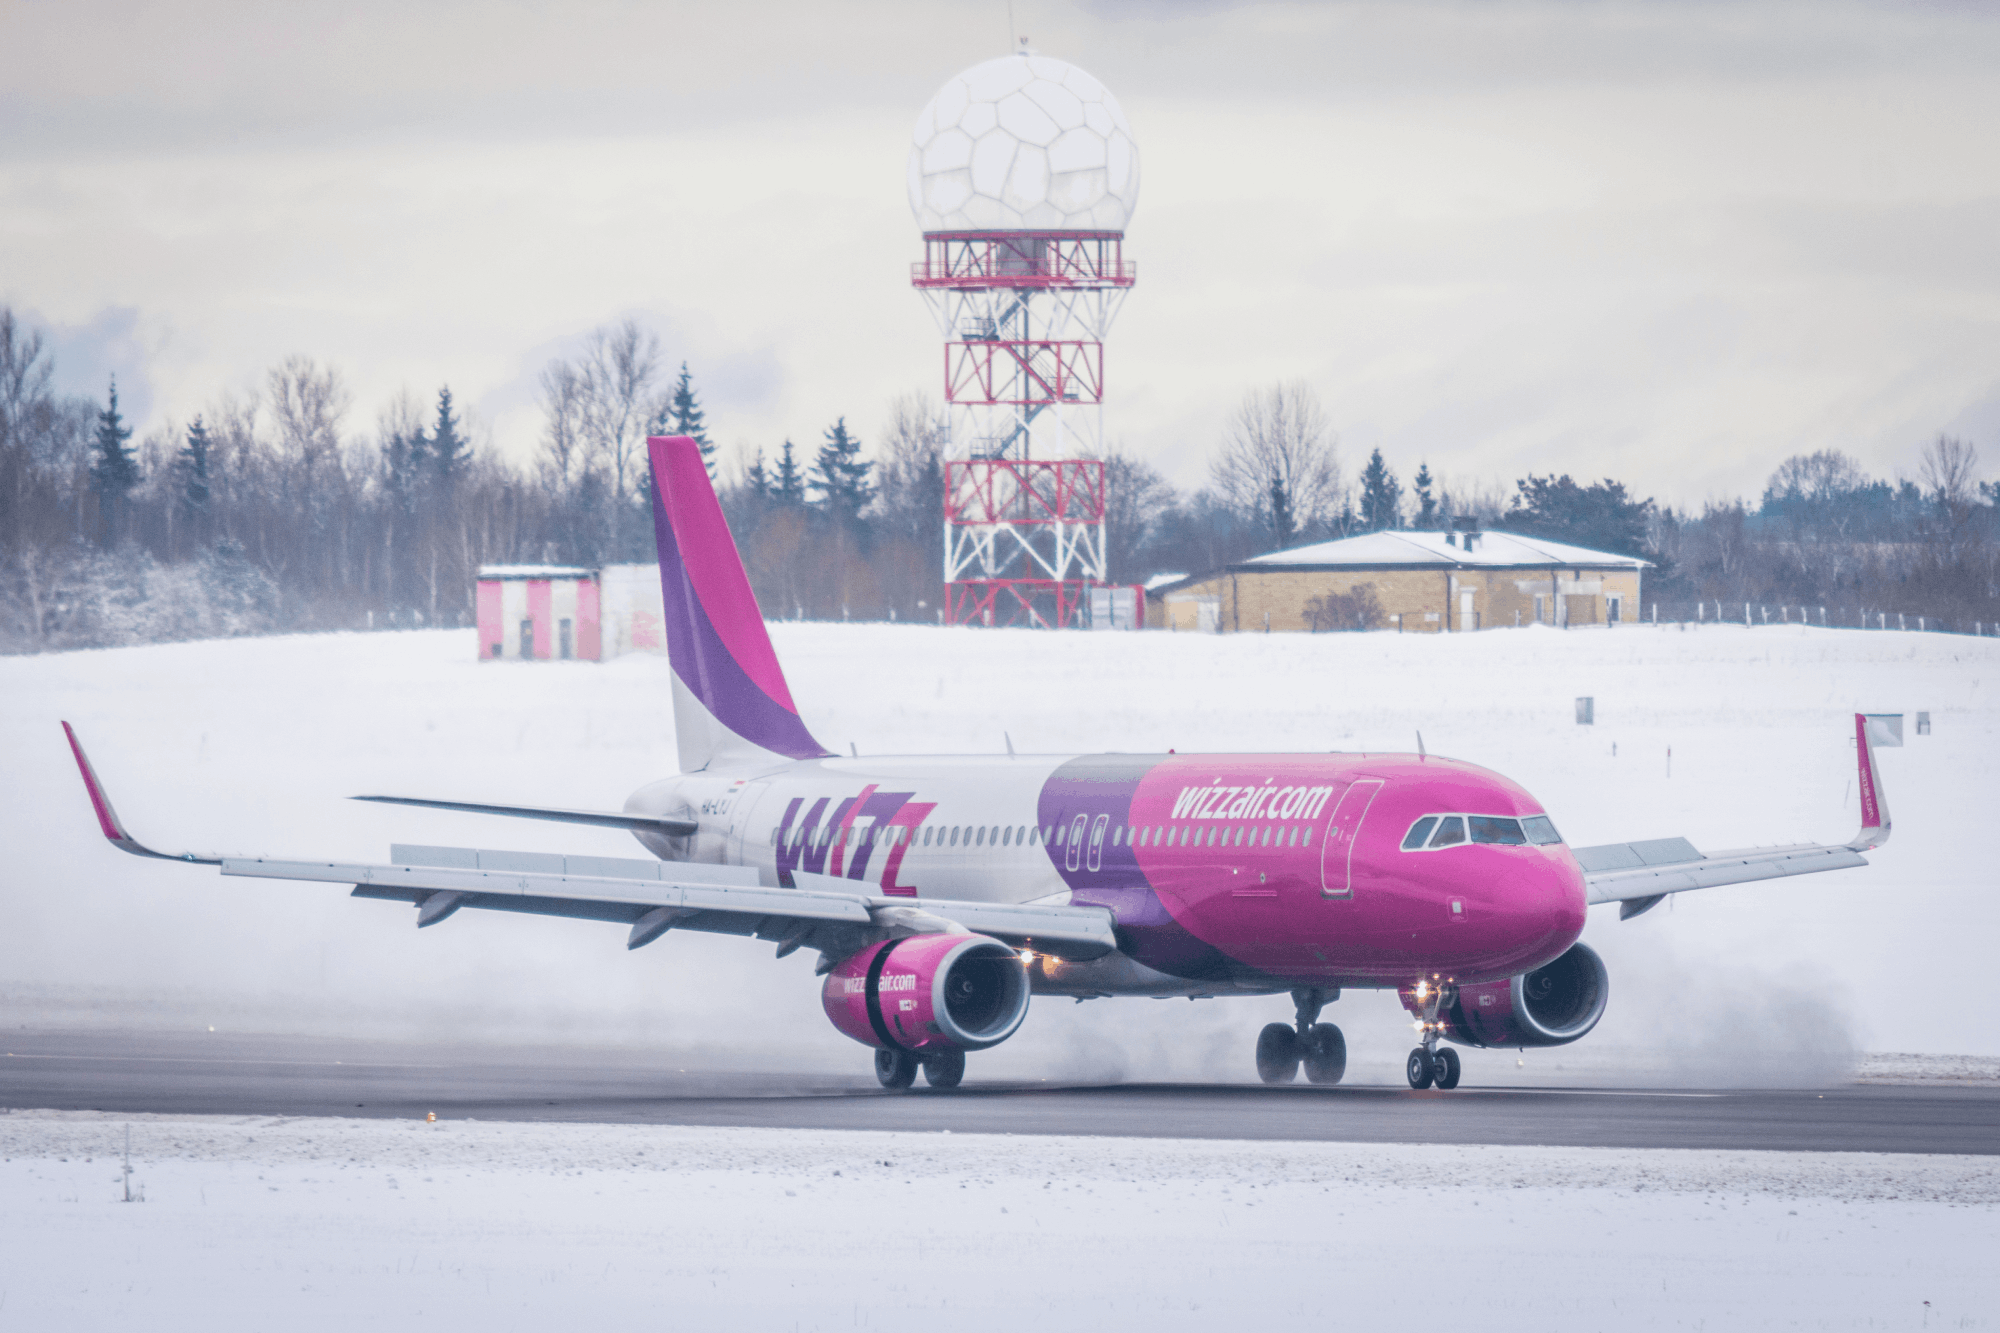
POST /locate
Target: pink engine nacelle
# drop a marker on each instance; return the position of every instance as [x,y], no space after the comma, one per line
[929,993]
[1550,1006]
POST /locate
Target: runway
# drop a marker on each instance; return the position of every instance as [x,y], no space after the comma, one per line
[199,1073]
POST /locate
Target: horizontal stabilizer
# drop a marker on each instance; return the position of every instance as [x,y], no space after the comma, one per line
[673,828]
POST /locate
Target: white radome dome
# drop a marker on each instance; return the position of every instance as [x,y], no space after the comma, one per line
[1023,143]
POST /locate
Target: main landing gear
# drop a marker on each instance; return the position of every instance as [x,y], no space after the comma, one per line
[1431,1065]
[897,1070]
[1318,1046]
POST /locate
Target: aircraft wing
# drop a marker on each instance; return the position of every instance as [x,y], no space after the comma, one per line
[1639,875]
[836,916]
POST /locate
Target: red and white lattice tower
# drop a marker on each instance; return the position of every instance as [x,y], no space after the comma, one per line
[1023,175]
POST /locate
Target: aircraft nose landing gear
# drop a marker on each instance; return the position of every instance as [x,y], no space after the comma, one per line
[1318,1046]
[1431,1065]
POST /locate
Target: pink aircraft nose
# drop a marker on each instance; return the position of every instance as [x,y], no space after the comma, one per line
[1524,910]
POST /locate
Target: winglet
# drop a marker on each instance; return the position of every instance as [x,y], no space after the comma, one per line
[1875,824]
[107,818]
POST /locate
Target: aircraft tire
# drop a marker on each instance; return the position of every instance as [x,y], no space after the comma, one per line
[1325,1054]
[1444,1068]
[895,1069]
[945,1069]
[1420,1069]
[1278,1053]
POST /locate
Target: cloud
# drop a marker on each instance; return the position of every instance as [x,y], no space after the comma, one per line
[1672,243]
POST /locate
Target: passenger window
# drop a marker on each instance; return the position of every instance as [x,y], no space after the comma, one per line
[1418,832]
[1540,829]
[981,838]
[1007,837]
[1451,832]
[954,835]
[1497,830]
[1035,835]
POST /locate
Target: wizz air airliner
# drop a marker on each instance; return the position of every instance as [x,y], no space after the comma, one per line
[942,892]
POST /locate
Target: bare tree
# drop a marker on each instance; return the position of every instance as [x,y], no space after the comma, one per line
[563,443]
[619,368]
[308,403]
[1138,502]
[1278,463]
[1950,472]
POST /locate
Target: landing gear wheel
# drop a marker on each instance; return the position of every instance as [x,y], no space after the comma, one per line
[1420,1069]
[945,1069]
[895,1069]
[1325,1053]
[1444,1069]
[1278,1053]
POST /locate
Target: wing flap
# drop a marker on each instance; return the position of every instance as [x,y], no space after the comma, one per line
[739,898]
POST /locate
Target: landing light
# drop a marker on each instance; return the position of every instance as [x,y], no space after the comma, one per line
[1423,989]
[1028,957]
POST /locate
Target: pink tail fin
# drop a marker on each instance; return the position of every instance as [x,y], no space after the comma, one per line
[730,697]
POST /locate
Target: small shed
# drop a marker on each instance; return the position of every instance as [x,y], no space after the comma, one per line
[539,611]
[1418,582]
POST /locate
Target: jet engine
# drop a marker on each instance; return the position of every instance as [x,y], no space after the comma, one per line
[929,993]
[1550,1006]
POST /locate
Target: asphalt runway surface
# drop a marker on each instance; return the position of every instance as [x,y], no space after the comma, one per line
[247,1074]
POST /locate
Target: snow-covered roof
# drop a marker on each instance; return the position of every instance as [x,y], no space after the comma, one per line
[1162,580]
[535,572]
[1501,549]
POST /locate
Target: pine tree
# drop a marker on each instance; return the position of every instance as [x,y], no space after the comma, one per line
[403,467]
[114,467]
[1282,522]
[193,463]
[686,417]
[788,484]
[1426,501]
[758,478]
[839,474]
[1381,495]
[447,451]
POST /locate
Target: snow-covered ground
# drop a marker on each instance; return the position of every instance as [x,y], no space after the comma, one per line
[251,745]
[336,1224]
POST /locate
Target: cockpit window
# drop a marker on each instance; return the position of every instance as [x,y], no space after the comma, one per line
[1450,832]
[1495,829]
[1541,830]
[1418,832]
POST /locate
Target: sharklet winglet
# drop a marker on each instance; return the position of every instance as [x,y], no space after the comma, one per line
[107,817]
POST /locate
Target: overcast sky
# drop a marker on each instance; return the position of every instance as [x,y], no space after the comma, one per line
[1670,243]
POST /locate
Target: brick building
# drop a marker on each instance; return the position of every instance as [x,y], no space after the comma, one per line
[1418,582]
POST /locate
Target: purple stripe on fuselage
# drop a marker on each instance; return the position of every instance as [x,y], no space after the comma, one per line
[707,667]
[1103,785]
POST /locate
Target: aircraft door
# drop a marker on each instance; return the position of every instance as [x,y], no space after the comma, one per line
[741,848]
[1343,830]
[1073,853]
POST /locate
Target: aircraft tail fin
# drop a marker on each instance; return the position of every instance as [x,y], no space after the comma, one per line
[730,696]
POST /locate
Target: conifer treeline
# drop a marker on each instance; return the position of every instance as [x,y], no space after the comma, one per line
[271,511]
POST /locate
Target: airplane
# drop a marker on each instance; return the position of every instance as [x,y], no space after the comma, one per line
[942,892]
